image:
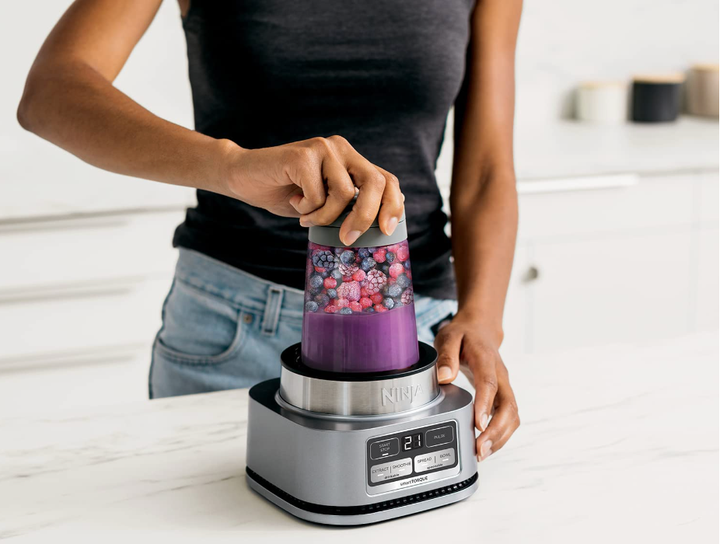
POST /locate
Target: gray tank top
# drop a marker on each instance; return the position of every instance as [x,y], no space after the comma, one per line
[381,73]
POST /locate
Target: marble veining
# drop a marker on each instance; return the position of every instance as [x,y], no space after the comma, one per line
[618,444]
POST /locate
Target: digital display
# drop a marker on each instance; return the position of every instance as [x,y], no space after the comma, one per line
[412,442]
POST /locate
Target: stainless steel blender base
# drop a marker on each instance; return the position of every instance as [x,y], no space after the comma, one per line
[359,469]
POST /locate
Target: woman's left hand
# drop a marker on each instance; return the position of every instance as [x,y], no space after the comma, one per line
[466,344]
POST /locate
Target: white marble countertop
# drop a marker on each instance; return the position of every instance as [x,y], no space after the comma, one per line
[550,151]
[618,444]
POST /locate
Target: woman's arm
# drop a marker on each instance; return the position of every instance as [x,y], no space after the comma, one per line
[483,205]
[69,100]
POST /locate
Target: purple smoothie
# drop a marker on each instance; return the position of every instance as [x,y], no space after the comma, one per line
[365,342]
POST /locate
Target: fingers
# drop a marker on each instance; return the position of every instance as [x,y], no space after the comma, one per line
[371,184]
[483,363]
[448,344]
[393,202]
[504,423]
[340,192]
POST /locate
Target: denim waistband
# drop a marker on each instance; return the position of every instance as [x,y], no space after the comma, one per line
[240,287]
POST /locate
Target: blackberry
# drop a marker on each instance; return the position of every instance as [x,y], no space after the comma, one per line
[367,264]
[332,293]
[388,303]
[389,256]
[346,311]
[347,257]
[394,290]
[324,259]
[403,281]
[311,306]
[316,281]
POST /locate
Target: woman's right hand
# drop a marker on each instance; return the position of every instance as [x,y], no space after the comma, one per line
[315,180]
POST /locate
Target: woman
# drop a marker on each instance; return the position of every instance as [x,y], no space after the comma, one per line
[297,106]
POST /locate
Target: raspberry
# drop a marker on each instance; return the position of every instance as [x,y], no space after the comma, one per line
[407,297]
[349,290]
[347,270]
[403,253]
[393,248]
[379,308]
[356,307]
[330,283]
[331,309]
[320,269]
[396,269]
[359,275]
[342,303]
[379,255]
[364,292]
[365,302]
[377,298]
[375,281]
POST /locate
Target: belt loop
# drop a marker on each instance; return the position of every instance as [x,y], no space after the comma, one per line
[272,311]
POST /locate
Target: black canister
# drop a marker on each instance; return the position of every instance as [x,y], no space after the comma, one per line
[656,99]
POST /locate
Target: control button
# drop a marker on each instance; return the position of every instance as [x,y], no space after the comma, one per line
[384,448]
[391,470]
[439,436]
[435,460]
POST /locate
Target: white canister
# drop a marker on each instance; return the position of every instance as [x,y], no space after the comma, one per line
[602,102]
[702,90]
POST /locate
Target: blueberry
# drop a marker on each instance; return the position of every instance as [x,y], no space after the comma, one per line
[316,281]
[363,253]
[369,310]
[384,290]
[347,257]
[403,281]
[345,311]
[389,256]
[398,302]
[394,290]
[332,293]
[322,300]
[337,275]
[407,265]
[385,268]
[388,303]
[311,306]
[324,273]
[367,263]
[339,250]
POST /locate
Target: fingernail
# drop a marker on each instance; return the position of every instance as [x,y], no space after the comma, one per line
[351,237]
[483,421]
[485,449]
[444,373]
[392,225]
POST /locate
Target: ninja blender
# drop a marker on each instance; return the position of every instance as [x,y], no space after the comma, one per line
[357,429]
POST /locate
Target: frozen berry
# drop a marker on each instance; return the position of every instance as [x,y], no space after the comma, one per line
[332,293]
[394,290]
[393,248]
[369,310]
[316,281]
[320,269]
[364,292]
[380,308]
[367,264]
[347,269]
[345,311]
[359,275]
[390,256]
[311,306]
[336,274]
[376,298]
[407,297]
[349,290]
[363,253]
[330,283]
[331,309]
[322,300]
[402,281]
[356,306]
[365,302]
[347,257]
[379,255]
[342,303]
[407,265]
[398,302]
[375,281]
[388,303]
[324,259]
[403,253]
[396,269]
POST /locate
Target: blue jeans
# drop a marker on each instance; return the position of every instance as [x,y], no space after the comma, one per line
[225,329]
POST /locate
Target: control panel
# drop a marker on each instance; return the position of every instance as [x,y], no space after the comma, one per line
[411,457]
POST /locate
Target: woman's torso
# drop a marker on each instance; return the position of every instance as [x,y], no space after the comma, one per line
[383,74]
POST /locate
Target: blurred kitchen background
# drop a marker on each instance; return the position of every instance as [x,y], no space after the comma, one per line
[619,220]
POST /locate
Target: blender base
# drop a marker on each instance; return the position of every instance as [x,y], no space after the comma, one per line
[357,470]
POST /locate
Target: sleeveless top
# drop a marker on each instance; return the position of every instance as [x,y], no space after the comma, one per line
[381,73]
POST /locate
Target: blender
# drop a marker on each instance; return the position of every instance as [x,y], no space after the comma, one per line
[357,429]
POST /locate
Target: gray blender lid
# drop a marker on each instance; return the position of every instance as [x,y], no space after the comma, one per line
[329,235]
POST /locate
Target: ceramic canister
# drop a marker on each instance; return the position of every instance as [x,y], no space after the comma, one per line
[656,98]
[702,90]
[602,102]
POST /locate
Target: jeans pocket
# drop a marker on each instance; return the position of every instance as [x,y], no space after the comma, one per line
[199,328]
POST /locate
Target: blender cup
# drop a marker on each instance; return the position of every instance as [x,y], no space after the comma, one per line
[359,314]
